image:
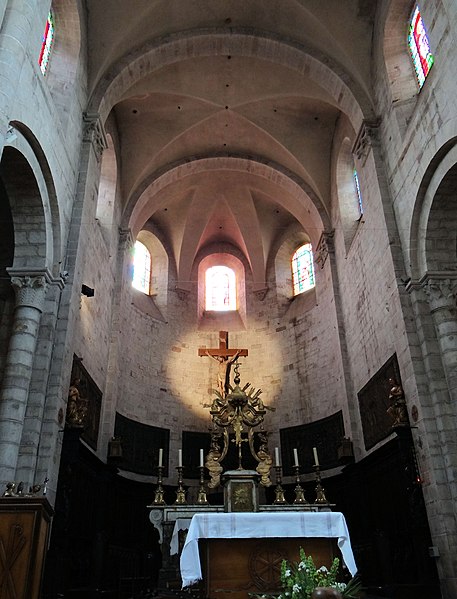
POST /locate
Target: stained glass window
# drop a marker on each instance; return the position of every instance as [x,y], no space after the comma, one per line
[358,192]
[303,269]
[46,46]
[142,268]
[419,47]
[220,286]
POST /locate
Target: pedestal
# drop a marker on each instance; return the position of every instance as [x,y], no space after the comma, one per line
[24,531]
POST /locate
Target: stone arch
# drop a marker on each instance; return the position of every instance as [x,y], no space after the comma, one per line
[348,202]
[301,201]
[434,223]
[64,62]
[343,91]
[28,182]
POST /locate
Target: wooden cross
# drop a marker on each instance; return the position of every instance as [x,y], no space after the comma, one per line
[225,357]
[223,350]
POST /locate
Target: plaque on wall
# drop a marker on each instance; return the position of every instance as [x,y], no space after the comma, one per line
[325,435]
[191,444]
[374,403]
[87,404]
[140,446]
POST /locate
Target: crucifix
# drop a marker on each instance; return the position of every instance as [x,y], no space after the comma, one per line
[225,357]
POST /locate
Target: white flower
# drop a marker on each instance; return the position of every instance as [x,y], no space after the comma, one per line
[340,586]
[301,565]
[323,569]
[287,573]
[296,588]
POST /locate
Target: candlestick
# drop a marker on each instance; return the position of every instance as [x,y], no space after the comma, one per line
[201,459]
[180,491]
[320,491]
[159,492]
[201,499]
[296,464]
[160,457]
[279,491]
[276,456]
[316,459]
[299,492]
[179,458]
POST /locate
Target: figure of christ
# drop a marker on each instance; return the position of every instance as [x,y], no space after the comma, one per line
[223,371]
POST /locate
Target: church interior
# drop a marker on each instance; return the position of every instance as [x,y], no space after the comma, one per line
[210,197]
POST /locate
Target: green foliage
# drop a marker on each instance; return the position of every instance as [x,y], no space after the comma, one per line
[300,579]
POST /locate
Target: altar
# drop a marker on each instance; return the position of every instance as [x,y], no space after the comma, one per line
[239,553]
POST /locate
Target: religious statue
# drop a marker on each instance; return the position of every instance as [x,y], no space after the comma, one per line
[213,460]
[397,409]
[76,406]
[265,460]
[223,371]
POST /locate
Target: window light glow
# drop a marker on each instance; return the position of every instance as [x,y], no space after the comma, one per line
[419,47]
[46,46]
[303,269]
[141,268]
[220,287]
[358,192]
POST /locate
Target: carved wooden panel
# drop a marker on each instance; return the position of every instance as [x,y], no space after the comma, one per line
[233,568]
[92,397]
[325,434]
[24,526]
[140,445]
[374,402]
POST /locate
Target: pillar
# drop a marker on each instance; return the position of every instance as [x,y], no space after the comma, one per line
[30,294]
[441,291]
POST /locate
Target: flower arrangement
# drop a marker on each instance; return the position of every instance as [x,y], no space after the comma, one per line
[299,581]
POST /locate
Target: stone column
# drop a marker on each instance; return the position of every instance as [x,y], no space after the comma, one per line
[441,291]
[30,294]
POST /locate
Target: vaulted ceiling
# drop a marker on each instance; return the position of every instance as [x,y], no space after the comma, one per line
[226,112]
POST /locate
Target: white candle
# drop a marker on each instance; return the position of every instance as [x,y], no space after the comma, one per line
[296,457]
[179,458]
[160,458]
[316,459]
[276,456]
[201,458]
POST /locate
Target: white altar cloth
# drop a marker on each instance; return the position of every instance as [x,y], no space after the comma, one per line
[261,525]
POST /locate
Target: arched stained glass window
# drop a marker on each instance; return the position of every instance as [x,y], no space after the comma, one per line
[46,46]
[141,268]
[303,269]
[358,192]
[419,47]
[220,288]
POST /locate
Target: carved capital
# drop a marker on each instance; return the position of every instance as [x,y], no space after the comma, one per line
[30,290]
[440,292]
[325,246]
[126,240]
[364,141]
[94,133]
[261,294]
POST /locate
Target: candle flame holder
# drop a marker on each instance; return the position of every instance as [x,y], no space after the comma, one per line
[180,492]
[320,491]
[299,492]
[202,499]
[279,491]
[159,492]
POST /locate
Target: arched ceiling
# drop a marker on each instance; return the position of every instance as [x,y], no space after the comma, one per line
[261,86]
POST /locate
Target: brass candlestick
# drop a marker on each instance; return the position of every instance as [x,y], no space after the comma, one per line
[320,491]
[279,491]
[158,495]
[202,500]
[299,493]
[180,492]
